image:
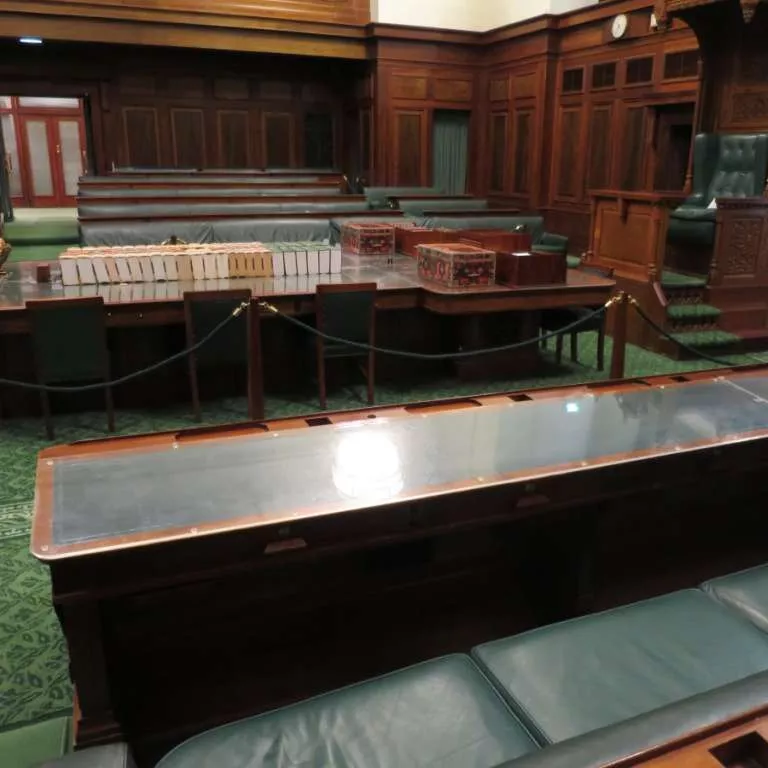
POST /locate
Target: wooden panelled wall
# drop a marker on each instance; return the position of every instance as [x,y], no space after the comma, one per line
[558,108]
[197,110]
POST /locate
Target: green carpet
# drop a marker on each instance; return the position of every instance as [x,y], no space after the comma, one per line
[42,231]
[37,252]
[33,666]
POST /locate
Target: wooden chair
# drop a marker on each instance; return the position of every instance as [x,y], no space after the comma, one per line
[69,338]
[554,319]
[348,312]
[239,341]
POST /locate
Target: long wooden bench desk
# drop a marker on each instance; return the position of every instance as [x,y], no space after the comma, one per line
[200,183]
[250,210]
[204,196]
[203,575]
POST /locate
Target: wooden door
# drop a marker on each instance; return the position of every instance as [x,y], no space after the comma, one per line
[54,149]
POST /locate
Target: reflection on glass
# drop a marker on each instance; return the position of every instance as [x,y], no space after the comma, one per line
[71,158]
[12,151]
[367,466]
[50,102]
[39,158]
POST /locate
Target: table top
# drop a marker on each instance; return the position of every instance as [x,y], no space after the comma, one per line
[137,493]
[401,275]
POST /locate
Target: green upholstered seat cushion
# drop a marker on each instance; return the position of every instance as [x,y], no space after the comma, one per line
[693,232]
[692,213]
[33,745]
[745,592]
[571,678]
[612,745]
[439,713]
[107,756]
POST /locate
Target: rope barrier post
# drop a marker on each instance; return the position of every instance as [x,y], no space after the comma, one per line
[618,353]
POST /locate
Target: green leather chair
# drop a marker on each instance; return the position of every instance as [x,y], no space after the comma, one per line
[724,165]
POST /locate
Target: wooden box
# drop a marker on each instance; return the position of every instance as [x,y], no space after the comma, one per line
[530,268]
[456,265]
[407,237]
[497,239]
[368,239]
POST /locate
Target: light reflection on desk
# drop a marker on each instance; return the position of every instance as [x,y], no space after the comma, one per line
[267,478]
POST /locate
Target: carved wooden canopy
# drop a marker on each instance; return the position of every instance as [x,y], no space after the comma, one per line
[665,9]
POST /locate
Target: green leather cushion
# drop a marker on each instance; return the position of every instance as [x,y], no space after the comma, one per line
[316,230]
[439,713]
[692,213]
[107,756]
[417,207]
[615,743]
[33,745]
[575,677]
[700,232]
[746,592]
[144,233]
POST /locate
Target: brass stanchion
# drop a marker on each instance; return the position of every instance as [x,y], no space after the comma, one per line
[618,352]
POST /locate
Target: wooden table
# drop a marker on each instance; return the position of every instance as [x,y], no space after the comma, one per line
[146,319]
[203,575]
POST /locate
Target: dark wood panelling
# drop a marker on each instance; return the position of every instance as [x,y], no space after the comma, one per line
[409,87]
[633,149]
[141,138]
[231,89]
[523,124]
[498,151]
[318,140]
[452,90]
[189,145]
[499,89]
[570,144]
[409,152]
[278,128]
[599,173]
[233,139]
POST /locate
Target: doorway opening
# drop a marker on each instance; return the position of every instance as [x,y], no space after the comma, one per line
[450,150]
[674,133]
[45,149]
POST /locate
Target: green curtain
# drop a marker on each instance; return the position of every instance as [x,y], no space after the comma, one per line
[450,140]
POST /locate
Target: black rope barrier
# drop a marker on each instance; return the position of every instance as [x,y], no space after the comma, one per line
[136,374]
[440,355]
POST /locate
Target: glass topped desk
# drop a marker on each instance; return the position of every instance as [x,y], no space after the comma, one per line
[133,493]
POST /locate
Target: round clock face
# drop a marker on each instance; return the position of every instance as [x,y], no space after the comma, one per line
[619,25]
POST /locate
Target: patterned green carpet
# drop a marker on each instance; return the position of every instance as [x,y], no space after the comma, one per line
[33,671]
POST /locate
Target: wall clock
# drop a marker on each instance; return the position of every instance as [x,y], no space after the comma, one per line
[619,26]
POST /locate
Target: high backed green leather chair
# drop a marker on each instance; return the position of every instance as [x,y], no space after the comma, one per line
[724,165]
[346,312]
[69,339]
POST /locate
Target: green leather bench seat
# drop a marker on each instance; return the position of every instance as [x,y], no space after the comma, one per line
[378,197]
[439,713]
[144,233]
[98,193]
[578,676]
[224,231]
[201,210]
[417,207]
[201,178]
[745,592]
[637,735]
[534,224]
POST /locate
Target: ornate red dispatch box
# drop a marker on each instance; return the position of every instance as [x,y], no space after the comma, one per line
[408,236]
[364,238]
[497,239]
[531,268]
[456,265]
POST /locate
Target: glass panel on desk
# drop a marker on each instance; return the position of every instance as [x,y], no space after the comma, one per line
[272,477]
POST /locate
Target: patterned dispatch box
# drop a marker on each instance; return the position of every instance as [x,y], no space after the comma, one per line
[407,237]
[531,268]
[499,240]
[364,238]
[456,265]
